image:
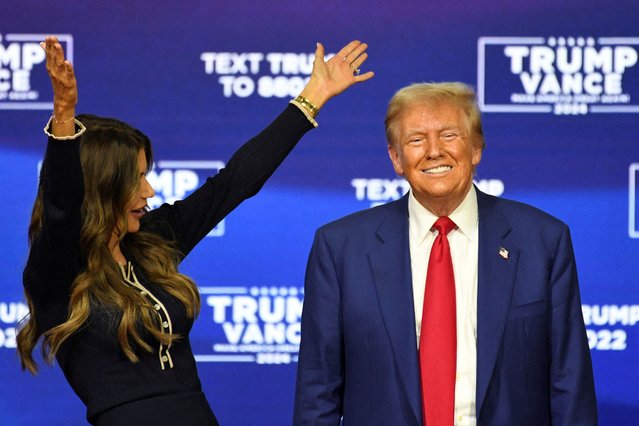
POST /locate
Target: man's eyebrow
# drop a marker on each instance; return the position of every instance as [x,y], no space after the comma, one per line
[450,127]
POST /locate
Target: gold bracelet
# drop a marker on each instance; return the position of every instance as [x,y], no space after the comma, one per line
[63,121]
[308,106]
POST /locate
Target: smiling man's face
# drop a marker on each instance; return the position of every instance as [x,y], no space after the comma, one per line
[436,154]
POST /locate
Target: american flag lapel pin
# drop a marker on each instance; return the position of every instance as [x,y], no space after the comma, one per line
[503,252]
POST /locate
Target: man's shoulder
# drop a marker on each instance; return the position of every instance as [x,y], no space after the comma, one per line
[368,219]
[517,212]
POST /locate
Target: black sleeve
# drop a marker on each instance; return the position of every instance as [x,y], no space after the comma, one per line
[54,257]
[189,220]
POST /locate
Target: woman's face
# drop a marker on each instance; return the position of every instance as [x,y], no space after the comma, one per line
[136,207]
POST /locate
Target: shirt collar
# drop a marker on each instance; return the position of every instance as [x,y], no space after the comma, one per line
[465,216]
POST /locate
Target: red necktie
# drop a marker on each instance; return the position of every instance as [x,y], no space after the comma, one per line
[438,338]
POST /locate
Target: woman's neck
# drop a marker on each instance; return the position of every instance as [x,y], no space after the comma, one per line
[117,253]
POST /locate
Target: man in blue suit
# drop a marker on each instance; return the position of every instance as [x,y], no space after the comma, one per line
[522,355]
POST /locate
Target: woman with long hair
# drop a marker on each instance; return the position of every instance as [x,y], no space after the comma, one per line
[102,280]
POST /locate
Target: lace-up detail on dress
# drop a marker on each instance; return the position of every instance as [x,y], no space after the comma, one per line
[166,327]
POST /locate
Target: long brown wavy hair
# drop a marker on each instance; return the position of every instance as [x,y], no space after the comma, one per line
[108,154]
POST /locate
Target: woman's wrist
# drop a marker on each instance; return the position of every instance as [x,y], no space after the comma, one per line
[62,119]
[315,94]
[63,111]
[309,107]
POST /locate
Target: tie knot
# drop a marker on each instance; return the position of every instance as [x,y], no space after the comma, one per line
[444,225]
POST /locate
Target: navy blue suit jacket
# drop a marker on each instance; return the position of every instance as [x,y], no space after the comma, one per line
[358,355]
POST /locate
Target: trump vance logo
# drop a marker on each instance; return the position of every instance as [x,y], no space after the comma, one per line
[560,75]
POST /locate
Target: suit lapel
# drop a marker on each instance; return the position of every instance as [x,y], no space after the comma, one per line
[496,278]
[390,264]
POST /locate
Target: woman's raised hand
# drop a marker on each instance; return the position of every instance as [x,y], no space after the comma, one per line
[332,77]
[65,87]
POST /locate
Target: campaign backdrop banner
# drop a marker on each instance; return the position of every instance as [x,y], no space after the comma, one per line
[558,84]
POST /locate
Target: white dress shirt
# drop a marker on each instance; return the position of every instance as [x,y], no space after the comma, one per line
[464,247]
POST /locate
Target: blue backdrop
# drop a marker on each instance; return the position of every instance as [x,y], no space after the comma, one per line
[559,88]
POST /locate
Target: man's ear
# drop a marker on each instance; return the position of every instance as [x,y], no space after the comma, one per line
[394,157]
[477,151]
